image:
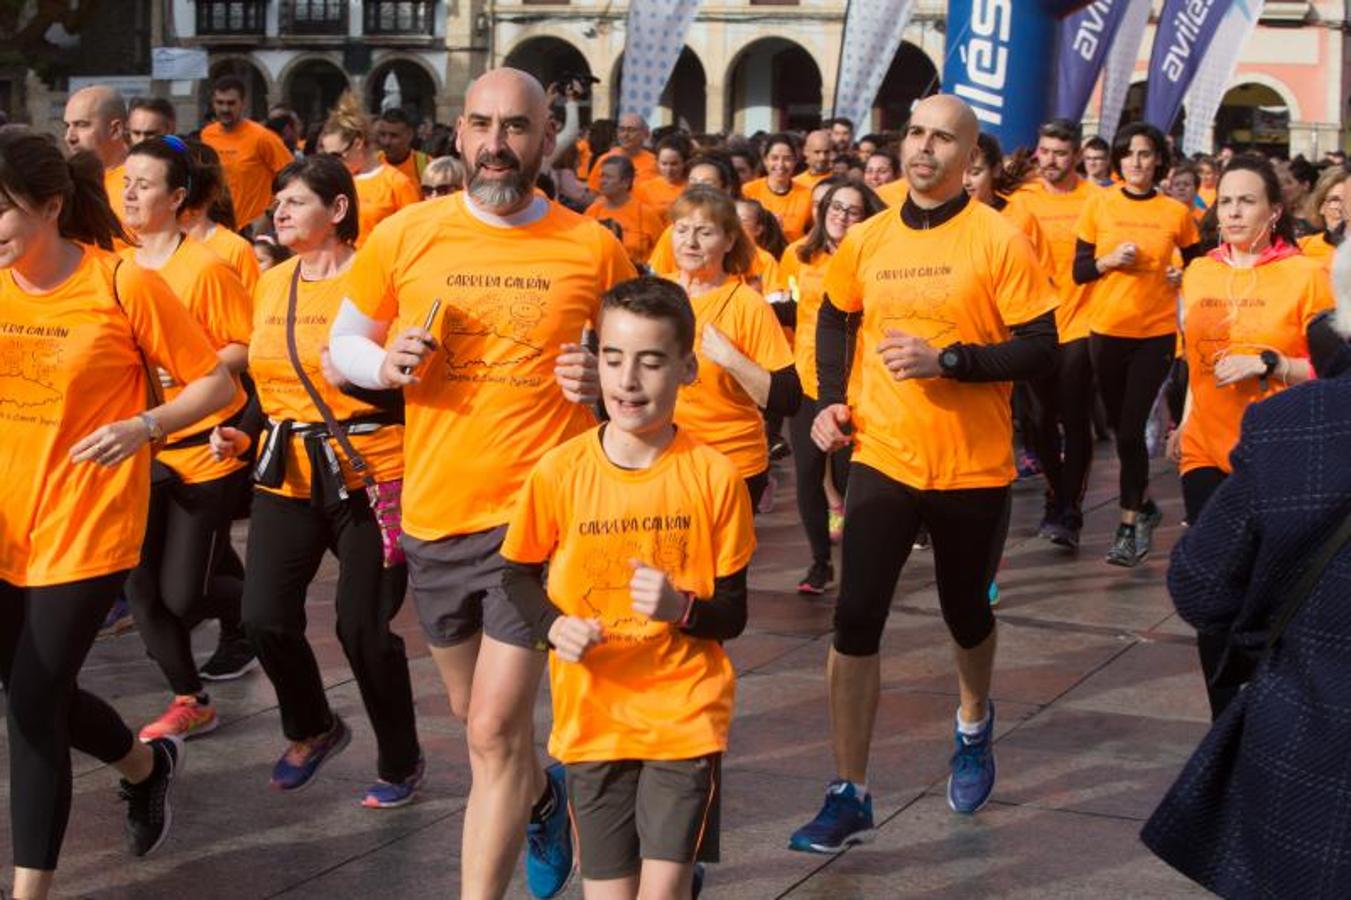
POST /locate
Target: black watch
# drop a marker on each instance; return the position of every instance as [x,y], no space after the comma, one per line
[950,360]
[1271,359]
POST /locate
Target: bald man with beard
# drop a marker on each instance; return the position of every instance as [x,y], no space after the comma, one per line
[497,380]
[819,153]
[949,306]
[96,121]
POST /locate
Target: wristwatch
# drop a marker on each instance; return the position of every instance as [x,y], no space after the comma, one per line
[1271,359]
[152,427]
[950,360]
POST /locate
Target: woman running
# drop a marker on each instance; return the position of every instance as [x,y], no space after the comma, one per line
[745,363]
[382,189]
[1246,308]
[177,583]
[75,450]
[1126,239]
[302,508]
[804,270]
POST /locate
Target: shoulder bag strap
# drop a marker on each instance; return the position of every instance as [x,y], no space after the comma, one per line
[1308,580]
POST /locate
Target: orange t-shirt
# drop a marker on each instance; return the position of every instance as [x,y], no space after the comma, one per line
[893,193]
[969,279]
[1243,311]
[1058,214]
[251,155]
[113,183]
[411,168]
[70,363]
[583,158]
[487,406]
[283,396]
[1021,217]
[1207,195]
[793,209]
[644,168]
[660,193]
[807,283]
[380,194]
[650,691]
[237,252]
[1316,246]
[641,222]
[1135,302]
[810,179]
[213,293]
[715,408]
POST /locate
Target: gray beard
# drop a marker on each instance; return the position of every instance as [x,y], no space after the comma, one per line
[493,195]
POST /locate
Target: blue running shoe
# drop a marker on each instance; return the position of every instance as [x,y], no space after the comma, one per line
[548,844]
[844,820]
[994,594]
[973,770]
[302,760]
[393,794]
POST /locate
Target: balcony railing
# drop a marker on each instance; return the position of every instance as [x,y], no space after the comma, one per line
[230,17]
[400,17]
[317,17]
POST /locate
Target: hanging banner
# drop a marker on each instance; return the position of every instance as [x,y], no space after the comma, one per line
[654,38]
[1184,34]
[1085,39]
[1116,78]
[872,35]
[1215,72]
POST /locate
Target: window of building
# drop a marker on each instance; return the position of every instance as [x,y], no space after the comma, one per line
[400,16]
[319,16]
[231,16]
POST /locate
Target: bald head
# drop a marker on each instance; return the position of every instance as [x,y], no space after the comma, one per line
[507,86]
[96,119]
[939,145]
[950,113]
[504,135]
[819,151]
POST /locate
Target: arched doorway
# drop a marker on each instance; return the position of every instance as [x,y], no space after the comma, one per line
[252,77]
[912,77]
[773,84]
[1254,116]
[402,83]
[313,87]
[685,96]
[551,60]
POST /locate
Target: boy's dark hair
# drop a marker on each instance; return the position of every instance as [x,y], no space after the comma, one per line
[227,83]
[1097,142]
[655,298]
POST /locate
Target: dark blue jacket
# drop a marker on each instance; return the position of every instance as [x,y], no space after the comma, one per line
[1263,808]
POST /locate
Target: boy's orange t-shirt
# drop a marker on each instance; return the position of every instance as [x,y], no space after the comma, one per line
[251,155]
[715,408]
[71,362]
[641,222]
[380,194]
[793,209]
[213,293]
[487,406]
[644,168]
[237,252]
[1058,215]
[280,392]
[660,193]
[1136,302]
[970,279]
[1242,311]
[650,691]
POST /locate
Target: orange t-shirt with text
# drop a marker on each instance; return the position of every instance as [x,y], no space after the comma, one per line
[1135,302]
[641,223]
[715,408]
[237,252]
[380,194]
[970,279]
[792,208]
[71,362]
[1241,311]
[251,155]
[1058,212]
[644,168]
[650,691]
[487,406]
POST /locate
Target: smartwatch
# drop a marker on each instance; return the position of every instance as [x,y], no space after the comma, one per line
[950,360]
[1271,359]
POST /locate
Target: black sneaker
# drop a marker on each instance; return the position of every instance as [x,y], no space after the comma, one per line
[818,578]
[1151,517]
[234,658]
[1065,531]
[148,812]
[778,448]
[1050,519]
[1125,550]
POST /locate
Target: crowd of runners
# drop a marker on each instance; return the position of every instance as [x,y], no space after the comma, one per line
[541,377]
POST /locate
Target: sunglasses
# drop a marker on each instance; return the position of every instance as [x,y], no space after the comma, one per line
[437,190]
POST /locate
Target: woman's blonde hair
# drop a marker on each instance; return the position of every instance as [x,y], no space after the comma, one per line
[720,209]
[1326,182]
[347,120]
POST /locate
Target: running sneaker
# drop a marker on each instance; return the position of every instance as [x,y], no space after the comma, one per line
[921,539]
[391,795]
[1028,465]
[818,578]
[1125,550]
[303,759]
[994,593]
[119,619]
[844,820]
[973,768]
[835,523]
[1050,518]
[1151,517]
[548,844]
[234,658]
[186,717]
[778,448]
[1065,531]
[149,814]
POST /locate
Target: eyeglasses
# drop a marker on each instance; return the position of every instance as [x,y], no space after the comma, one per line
[437,190]
[849,212]
[1333,201]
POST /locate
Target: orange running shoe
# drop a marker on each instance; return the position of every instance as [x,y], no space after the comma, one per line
[185,718]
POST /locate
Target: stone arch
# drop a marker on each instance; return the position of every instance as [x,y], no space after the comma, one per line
[418,85]
[312,84]
[772,84]
[254,75]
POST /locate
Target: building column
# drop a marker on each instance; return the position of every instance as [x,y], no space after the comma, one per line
[715,106]
[1304,140]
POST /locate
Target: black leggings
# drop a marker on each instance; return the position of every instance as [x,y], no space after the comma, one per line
[1198,486]
[45,635]
[1062,435]
[966,530]
[1130,372]
[287,541]
[756,485]
[180,581]
[809,464]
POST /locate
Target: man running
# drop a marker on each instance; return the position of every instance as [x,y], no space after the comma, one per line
[953,306]
[251,154]
[517,279]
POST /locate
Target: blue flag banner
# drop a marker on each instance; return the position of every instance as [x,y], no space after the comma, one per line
[1085,39]
[1185,31]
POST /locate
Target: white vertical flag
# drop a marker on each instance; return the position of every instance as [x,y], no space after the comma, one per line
[1116,77]
[1212,77]
[872,34]
[654,39]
